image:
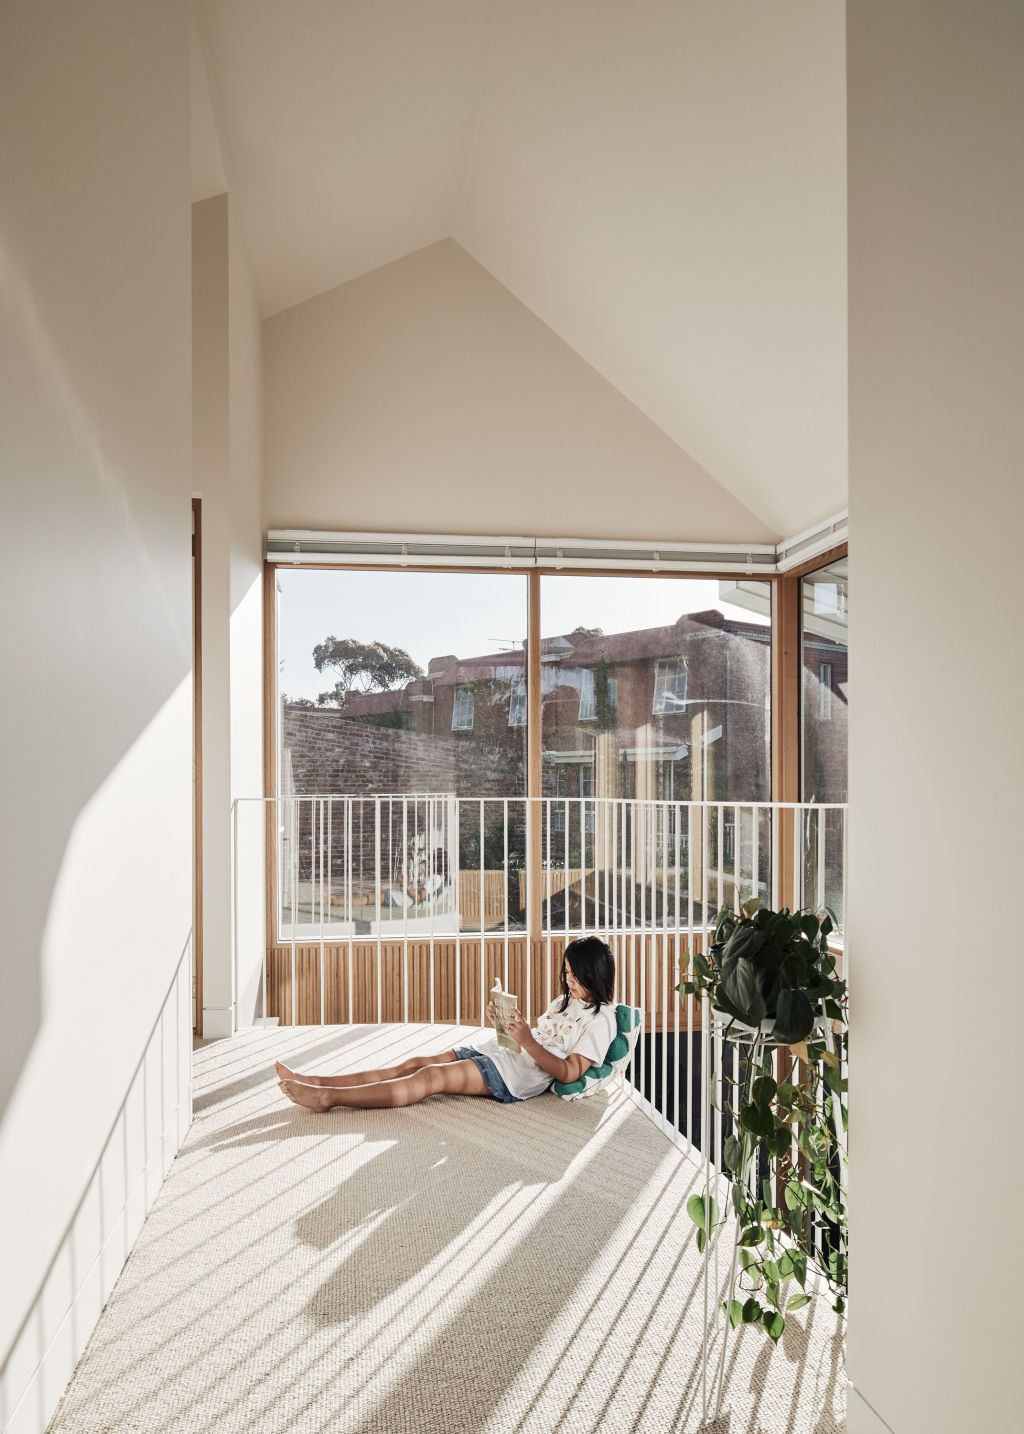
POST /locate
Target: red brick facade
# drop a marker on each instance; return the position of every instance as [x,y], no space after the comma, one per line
[665,713]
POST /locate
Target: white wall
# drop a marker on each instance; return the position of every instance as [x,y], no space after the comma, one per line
[227,458]
[210,479]
[95,726]
[245,467]
[424,397]
[936,213]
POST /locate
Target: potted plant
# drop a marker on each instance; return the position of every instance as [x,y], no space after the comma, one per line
[771,982]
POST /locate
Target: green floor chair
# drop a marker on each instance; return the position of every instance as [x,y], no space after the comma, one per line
[627,1021]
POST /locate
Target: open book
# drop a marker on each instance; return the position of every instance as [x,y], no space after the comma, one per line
[504,1009]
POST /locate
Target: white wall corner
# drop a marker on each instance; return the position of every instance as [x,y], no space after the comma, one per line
[861,1418]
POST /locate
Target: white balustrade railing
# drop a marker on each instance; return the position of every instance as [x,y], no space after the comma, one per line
[399,865]
[406,907]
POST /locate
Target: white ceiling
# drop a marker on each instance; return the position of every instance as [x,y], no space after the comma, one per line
[661,182]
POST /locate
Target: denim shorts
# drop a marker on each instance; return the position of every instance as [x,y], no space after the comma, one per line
[499,1090]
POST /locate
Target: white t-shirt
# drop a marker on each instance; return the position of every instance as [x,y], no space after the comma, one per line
[578,1030]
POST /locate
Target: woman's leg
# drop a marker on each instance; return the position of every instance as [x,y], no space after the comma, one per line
[448,1078]
[338,1082]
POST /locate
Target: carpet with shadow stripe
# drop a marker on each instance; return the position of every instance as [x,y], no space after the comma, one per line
[452,1267]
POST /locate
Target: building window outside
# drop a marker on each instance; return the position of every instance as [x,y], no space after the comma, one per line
[463,710]
[613,696]
[825,692]
[517,703]
[670,686]
[587,792]
[588,695]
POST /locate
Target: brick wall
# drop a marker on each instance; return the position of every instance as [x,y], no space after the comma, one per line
[331,753]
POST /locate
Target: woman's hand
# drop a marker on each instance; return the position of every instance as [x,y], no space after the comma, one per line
[519,1030]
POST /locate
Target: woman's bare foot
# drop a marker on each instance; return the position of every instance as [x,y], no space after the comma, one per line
[286,1073]
[311,1097]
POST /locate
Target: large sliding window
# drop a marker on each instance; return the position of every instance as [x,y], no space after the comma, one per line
[656,688]
[655,693]
[405,720]
[402,750]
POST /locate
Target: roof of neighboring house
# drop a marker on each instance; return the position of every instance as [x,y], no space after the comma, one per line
[574,649]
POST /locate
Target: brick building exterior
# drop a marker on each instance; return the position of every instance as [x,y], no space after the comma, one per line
[666,713]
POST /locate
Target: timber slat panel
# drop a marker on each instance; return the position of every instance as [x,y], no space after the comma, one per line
[408,969]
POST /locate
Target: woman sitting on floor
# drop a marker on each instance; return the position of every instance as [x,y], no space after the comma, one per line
[573,1033]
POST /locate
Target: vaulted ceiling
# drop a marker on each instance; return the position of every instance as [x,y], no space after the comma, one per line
[661,182]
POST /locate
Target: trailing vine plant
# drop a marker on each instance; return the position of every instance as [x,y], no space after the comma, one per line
[769,975]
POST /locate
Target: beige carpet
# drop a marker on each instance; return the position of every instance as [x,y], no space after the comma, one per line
[456,1266]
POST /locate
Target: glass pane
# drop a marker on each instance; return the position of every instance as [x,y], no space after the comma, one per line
[402,706]
[825,683]
[655,690]
[823,729]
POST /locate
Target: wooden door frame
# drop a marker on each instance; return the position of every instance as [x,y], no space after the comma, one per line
[787,666]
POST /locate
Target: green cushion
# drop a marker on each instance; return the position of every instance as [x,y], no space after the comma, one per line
[627,1021]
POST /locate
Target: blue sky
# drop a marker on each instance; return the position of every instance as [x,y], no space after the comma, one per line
[430,614]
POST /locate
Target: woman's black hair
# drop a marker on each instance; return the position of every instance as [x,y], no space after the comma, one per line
[593,965]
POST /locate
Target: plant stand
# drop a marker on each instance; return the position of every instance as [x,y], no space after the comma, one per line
[749,1044]
[754,1047]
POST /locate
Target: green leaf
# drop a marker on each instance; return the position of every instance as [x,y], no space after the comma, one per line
[799,1266]
[739,992]
[779,1141]
[784,928]
[748,1258]
[798,1301]
[809,926]
[699,1212]
[735,1313]
[702,1240]
[774,1295]
[795,1196]
[772,1273]
[764,1090]
[744,943]
[751,1311]
[787,1094]
[794,1018]
[774,1324]
[752,904]
[732,1155]
[752,1236]
[759,1122]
